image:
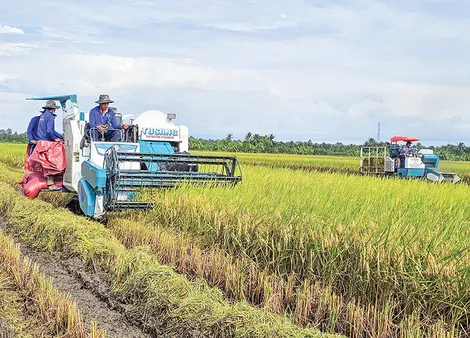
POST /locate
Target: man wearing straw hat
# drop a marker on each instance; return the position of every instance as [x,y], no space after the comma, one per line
[104,121]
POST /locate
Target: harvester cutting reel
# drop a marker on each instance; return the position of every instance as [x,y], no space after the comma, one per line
[127,173]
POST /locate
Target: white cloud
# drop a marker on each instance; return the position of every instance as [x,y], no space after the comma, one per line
[117,72]
[365,108]
[4,29]
[298,69]
[12,48]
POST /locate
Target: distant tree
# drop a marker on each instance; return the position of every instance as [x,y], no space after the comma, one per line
[370,143]
[271,137]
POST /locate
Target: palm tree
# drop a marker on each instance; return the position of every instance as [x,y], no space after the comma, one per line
[271,138]
[248,137]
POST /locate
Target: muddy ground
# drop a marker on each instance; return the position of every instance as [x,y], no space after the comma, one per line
[89,291]
[5,331]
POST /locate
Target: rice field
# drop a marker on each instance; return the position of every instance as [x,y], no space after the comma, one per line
[285,253]
[354,239]
[320,163]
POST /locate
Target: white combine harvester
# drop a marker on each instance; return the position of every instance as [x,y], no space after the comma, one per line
[152,153]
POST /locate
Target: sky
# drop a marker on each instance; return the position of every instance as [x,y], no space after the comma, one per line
[326,71]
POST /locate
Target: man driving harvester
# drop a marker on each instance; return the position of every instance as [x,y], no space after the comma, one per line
[103,121]
[406,149]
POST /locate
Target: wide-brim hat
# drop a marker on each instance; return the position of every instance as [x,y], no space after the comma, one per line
[104,99]
[50,104]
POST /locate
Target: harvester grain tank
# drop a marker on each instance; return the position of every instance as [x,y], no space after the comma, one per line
[152,153]
[422,163]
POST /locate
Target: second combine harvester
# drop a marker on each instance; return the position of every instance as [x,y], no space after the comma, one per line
[422,163]
[152,153]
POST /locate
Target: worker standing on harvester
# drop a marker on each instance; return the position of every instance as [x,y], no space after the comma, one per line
[46,132]
[102,119]
[46,127]
[32,133]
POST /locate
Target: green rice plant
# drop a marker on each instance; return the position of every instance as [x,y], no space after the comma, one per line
[343,164]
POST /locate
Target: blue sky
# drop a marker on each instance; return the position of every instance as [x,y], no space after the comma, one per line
[328,71]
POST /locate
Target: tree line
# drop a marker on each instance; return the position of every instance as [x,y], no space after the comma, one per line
[10,136]
[256,143]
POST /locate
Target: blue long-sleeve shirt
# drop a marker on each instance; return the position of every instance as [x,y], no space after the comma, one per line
[98,119]
[404,150]
[32,129]
[46,129]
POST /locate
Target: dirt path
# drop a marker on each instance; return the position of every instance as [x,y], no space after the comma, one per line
[5,331]
[88,290]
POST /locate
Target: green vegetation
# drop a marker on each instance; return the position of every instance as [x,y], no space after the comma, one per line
[255,143]
[12,137]
[353,255]
[167,301]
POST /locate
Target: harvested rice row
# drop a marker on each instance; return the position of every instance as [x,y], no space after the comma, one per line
[15,316]
[163,299]
[31,305]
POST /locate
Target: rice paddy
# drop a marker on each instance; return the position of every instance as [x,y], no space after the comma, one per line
[320,163]
[287,253]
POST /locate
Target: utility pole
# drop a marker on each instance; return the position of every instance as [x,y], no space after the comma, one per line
[378,132]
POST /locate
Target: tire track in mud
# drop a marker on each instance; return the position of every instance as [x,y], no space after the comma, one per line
[88,290]
[5,331]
